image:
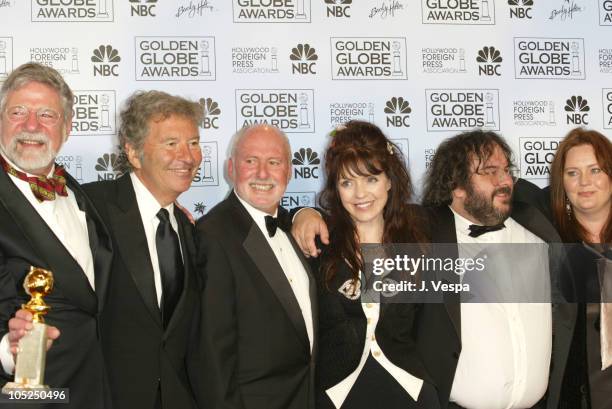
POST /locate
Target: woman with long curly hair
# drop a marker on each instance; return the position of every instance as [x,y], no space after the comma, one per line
[367,356]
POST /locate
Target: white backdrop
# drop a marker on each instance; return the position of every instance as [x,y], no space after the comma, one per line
[422,70]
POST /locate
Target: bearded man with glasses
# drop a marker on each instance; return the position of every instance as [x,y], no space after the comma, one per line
[48,222]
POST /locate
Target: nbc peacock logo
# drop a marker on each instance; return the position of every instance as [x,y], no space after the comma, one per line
[105,59]
[520,9]
[398,112]
[211,113]
[304,58]
[577,109]
[306,164]
[338,8]
[108,167]
[489,60]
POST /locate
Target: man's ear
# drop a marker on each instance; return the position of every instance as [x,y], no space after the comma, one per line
[133,156]
[230,169]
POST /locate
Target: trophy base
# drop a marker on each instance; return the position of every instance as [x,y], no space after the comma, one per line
[12,386]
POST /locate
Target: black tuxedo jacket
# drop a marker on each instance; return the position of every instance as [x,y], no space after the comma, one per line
[75,360]
[141,354]
[255,345]
[564,315]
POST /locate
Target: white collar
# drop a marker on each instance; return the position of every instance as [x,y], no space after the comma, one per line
[147,203]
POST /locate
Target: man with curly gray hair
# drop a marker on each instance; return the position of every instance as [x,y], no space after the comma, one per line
[153,293]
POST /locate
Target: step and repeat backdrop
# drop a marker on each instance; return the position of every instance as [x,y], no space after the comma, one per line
[422,70]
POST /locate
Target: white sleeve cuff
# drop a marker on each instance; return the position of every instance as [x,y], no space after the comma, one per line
[6,357]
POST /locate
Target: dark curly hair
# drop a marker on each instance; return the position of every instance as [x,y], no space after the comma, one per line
[361,148]
[451,166]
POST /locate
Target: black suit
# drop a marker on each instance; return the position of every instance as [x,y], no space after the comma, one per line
[255,344]
[141,355]
[75,360]
[564,315]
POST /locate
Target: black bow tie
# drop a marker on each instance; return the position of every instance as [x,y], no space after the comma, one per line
[476,230]
[283,222]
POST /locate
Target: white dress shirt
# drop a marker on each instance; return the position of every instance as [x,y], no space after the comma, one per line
[411,384]
[506,347]
[69,224]
[290,264]
[148,207]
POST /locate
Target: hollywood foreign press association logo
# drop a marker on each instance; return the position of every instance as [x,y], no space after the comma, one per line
[260,59]
[368,58]
[108,167]
[489,60]
[338,8]
[211,113]
[271,11]
[462,109]
[166,58]
[306,164]
[143,8]
[549,58]
[93,112]
[520,9]
[534,112]
[398,112]
[208,172]
[304,59]
[73,165]
[577,109]
[6,57]
[342,112]
[443,60]
[105,61]
[72,10]
[64,60]
[458,12]
[291,110]
[291,200]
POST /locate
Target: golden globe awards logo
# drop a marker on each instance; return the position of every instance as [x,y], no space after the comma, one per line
[143,8]
[306,163]
[555,58]
[368,58]
[342,112]
[291,110]
[398,112]
[458,11]
[338,8]
[271,11]
[208,172]
[443,60]
[211,113]
[520,9]
[108,167]
[303,58]
[93,112]
[298,199]
[607,107]
[537,155]
[258,59]
[6,57]
[489,61]
[605,12]
[64,59]
[533,113]
[577,109]
[175,59]
[73,164]
[72,10]
[462,109]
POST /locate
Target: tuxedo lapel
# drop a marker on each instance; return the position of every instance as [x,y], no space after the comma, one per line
[257,247]
[534,221]
[132,244]
[53,255]
[99,241]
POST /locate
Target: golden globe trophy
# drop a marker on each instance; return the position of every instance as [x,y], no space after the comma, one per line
[30,361]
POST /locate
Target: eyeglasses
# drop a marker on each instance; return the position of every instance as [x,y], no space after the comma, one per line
[496,173]
[20,113]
